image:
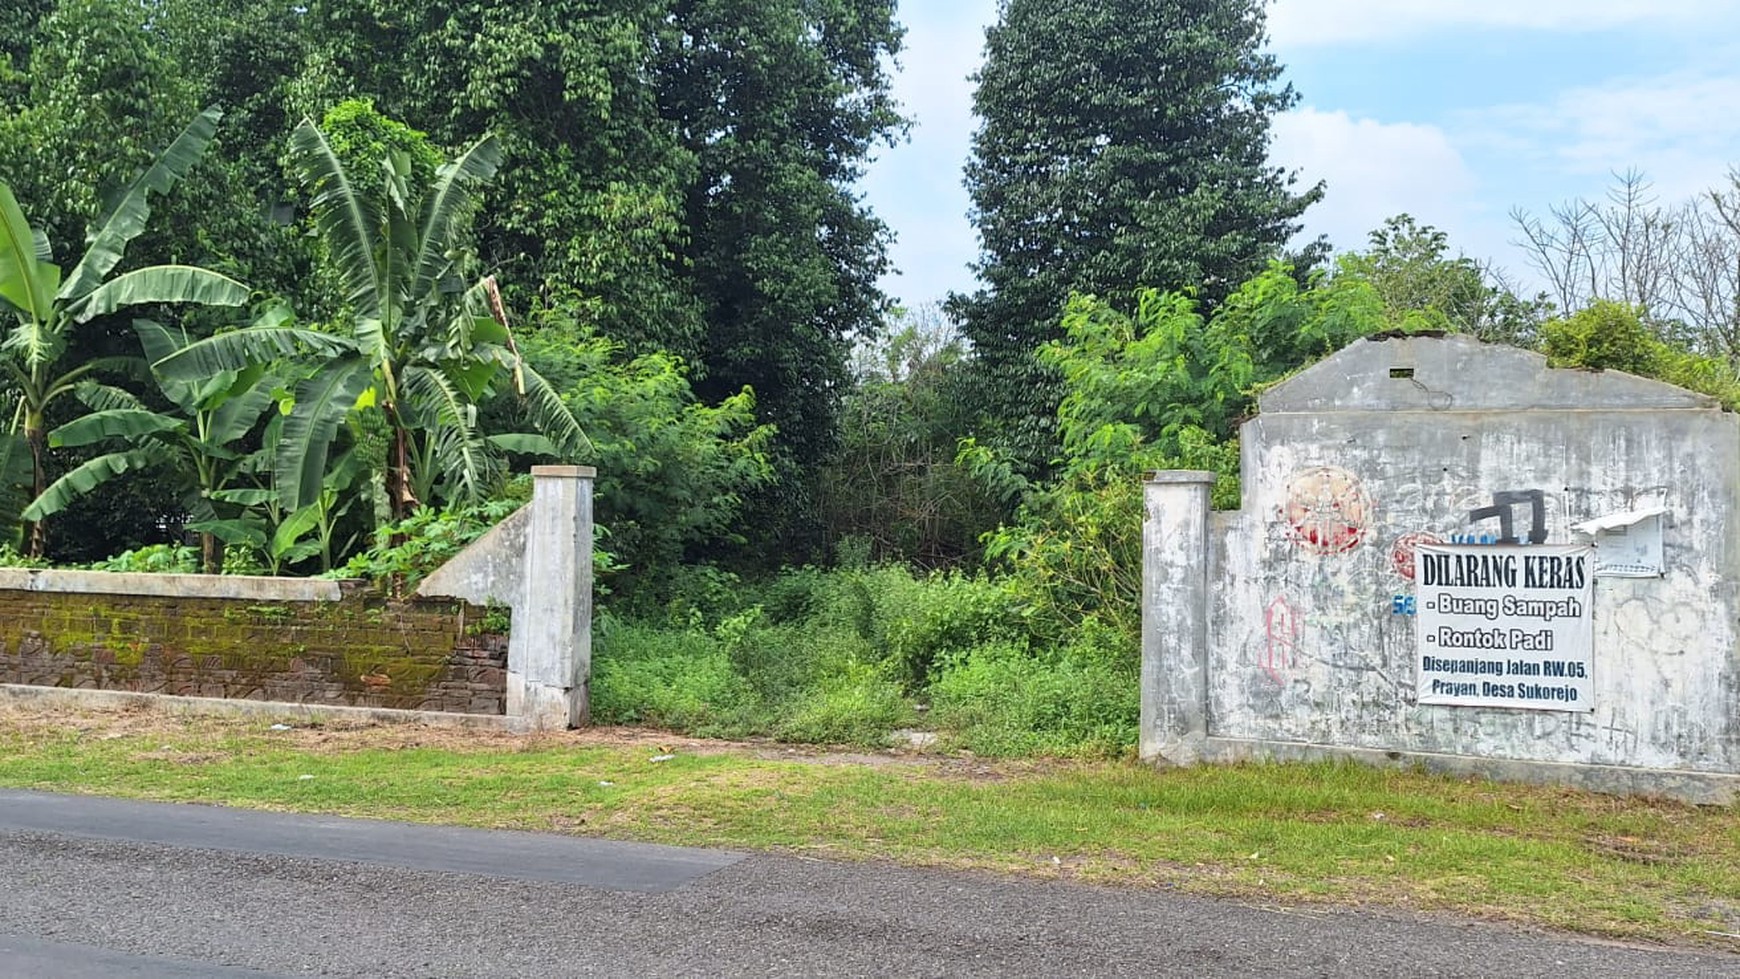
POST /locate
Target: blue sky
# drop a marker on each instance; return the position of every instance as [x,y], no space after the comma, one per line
[1455,111]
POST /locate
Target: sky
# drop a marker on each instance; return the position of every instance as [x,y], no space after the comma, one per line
[1458,112]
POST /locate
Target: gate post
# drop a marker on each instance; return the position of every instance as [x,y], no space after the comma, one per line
[1175,609]
[550,647]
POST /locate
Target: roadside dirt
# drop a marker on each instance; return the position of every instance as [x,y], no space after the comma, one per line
[343,735]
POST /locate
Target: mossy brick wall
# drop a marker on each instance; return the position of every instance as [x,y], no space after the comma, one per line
[362,650]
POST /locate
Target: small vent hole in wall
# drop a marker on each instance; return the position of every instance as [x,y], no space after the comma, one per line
[1401,372]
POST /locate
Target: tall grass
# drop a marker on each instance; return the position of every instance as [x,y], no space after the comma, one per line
[852,655]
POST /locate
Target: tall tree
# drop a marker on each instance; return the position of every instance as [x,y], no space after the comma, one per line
[781,102]
[1121,144]
[587,213]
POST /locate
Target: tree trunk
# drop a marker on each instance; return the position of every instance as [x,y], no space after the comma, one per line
[211,553]
[400,498]
[34,437]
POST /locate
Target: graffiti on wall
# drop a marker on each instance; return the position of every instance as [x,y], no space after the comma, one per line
[1402,551]
[1327,510]
[1503,509]
[1285,627]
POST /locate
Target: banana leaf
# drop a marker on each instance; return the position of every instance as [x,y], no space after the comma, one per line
[62,492]
[132,424]
[255,345]
[27,281]
[322,402]
[344,219]
[109,240]
[448,201]
[238,531]
[160,284]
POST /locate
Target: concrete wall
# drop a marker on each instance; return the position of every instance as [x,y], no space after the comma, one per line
[330,643]
[301,642]
[540,562]
[1310,646]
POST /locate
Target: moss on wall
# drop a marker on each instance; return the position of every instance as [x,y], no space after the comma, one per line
[362,650]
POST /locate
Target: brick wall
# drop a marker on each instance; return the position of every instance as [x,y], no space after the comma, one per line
[360,650]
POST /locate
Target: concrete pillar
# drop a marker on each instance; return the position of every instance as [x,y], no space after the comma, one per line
[1175,608]
[550,647]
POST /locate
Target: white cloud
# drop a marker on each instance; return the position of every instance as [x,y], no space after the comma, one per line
[1304,23]
[1374,170]
[1679,129]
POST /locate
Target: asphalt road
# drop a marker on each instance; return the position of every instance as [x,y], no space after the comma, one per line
[93,887]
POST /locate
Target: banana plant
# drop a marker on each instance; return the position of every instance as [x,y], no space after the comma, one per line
[201,444]
[283,537]
[47,304]
[422,347]
[14,484]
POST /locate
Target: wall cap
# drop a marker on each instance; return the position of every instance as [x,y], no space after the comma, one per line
[564,472]
[1175,476]
[251,588]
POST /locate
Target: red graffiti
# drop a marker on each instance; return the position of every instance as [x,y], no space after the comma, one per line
[1402,551]
[1285,627]
[1327,510]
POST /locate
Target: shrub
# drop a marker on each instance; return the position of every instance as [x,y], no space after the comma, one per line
[853,705]
[919,621]
[153,559]
[1004,698]
[672,471]
[678,679]
[406,552]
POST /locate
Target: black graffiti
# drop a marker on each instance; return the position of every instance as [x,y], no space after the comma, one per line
[1502,504]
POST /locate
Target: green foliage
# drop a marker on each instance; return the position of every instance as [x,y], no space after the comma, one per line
[676,176]
[422,347]
[1164,389]
[747,675]
[47,304]
[1121,145]
[405,552]
[1605,336]
[853,705]
[665,678]
[154,559]
[673,473]
[11,558]
[894,487]
[1407,264]
[196,446]
[850,656]
[1003,699]
[780,102]
[918,623]
[1614,336]
[588,212]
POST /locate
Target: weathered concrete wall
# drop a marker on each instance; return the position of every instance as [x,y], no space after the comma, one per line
[540,561]
[1389,444]
[303,642]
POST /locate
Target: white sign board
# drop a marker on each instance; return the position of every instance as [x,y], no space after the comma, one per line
[1627,545]
[1506,625]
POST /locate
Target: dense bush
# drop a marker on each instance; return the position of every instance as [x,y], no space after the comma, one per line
[673,473]
[849,656]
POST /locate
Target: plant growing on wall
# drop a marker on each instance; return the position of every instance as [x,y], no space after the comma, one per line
[48,304]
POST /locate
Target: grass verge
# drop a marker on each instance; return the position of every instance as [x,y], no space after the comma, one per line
[1626,868]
